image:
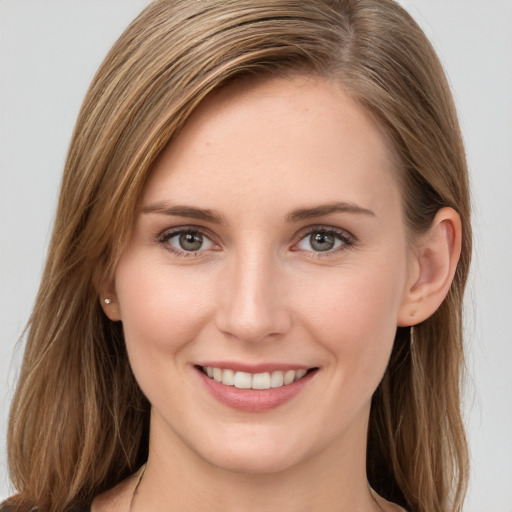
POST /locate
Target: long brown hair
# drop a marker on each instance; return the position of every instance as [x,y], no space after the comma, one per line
[79,423]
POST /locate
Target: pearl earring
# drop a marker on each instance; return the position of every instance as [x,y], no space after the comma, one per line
[107,301]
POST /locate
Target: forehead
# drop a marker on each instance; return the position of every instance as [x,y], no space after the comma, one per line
[277,141]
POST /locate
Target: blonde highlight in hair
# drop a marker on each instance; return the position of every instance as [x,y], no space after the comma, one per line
[79,422]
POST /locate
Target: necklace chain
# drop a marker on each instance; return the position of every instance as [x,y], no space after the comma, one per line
[374,498]
[143,470]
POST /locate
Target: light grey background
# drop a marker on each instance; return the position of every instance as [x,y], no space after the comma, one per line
[49,51]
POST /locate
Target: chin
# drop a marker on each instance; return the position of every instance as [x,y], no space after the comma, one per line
[256,453]
[252,462]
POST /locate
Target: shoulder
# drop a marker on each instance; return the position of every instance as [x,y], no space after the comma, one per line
[385,505]
[116,499]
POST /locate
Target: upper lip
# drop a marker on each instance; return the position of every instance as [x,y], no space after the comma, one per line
[253,368]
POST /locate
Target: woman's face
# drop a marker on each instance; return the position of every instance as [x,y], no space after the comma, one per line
[269,243]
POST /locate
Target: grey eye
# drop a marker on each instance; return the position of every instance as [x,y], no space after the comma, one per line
[191,241]
[188,241]
[322,241]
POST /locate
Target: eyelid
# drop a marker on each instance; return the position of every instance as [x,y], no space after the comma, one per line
[348,239]
[164,236]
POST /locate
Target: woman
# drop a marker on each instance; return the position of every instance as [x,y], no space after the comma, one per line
[260,201]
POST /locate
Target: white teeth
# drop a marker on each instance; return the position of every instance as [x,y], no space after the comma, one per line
[289,377]
[217,374]
[245,380]
[261,381]
[242,380]
[276,379]
[228,377]
[299,374]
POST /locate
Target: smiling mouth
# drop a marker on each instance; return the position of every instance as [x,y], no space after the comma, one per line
[258,381]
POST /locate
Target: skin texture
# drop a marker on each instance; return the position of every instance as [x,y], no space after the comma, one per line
[257,293]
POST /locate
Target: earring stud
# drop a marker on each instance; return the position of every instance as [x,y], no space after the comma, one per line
[107,301]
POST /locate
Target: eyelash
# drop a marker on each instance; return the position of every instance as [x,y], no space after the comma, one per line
[347,240]
[166,236]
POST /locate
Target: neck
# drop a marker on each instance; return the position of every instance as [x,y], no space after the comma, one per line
[177,478]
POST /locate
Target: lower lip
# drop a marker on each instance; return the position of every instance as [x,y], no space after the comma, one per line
[254,400]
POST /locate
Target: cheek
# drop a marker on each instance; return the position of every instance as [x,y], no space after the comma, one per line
[160,309]
[355,319]
[162,313]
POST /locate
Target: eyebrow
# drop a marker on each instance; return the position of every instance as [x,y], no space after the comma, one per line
[214,217]
[184,211]
[326,209]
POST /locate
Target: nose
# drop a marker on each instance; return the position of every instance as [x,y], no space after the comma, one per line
[252,303]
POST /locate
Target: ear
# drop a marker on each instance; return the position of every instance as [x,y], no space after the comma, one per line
[434,262]
[108,298]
